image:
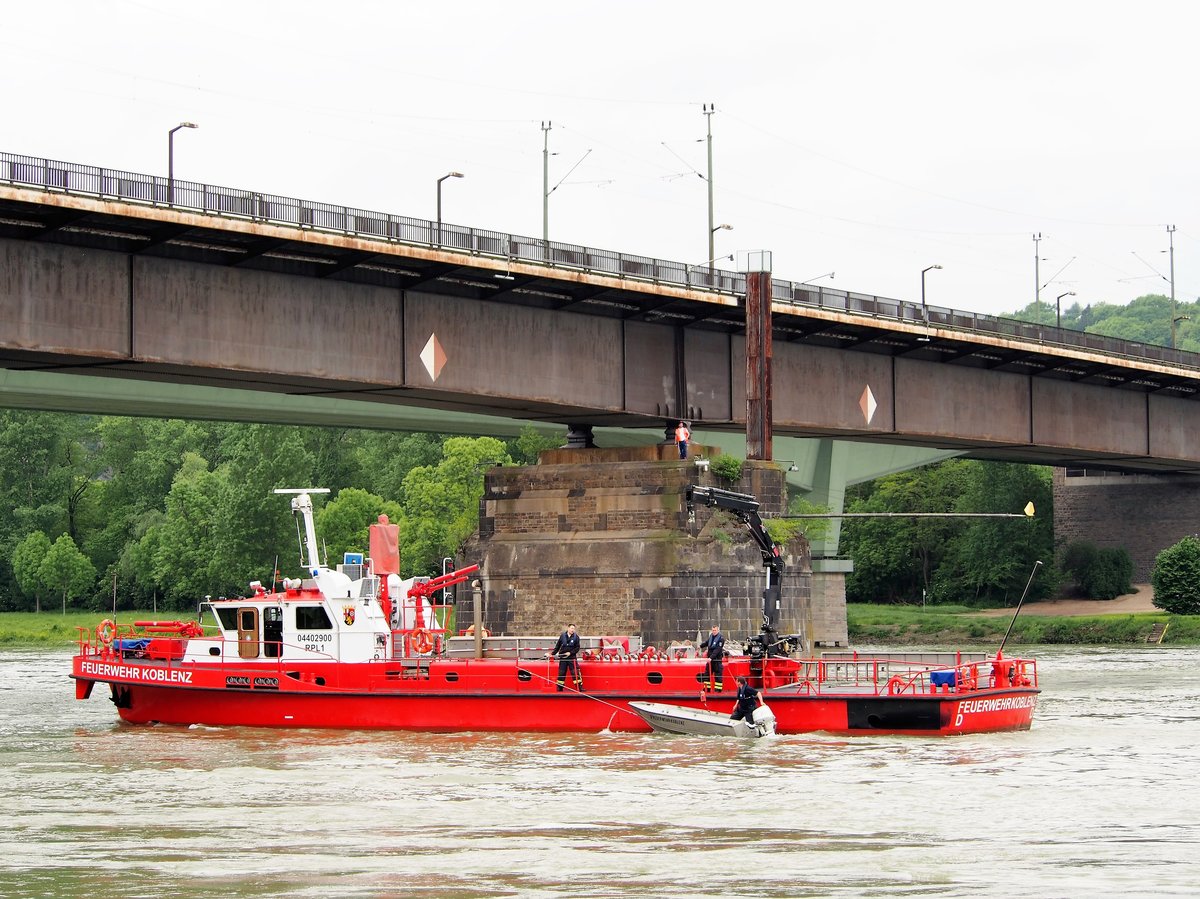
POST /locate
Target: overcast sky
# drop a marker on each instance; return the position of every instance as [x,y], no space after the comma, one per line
[870,139]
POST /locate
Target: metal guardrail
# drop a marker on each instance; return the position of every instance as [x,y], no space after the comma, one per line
[227,202]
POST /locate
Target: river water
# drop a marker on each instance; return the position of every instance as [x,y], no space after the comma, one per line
[1100,798]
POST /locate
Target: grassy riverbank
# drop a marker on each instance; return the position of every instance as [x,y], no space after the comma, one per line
[891,625]
[54,630]
[880,625]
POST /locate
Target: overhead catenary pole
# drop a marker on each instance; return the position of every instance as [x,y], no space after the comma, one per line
[1037,278]
[546,126]
[709,109]
[1171,237]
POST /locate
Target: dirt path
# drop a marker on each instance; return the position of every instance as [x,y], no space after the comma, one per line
[1138,601]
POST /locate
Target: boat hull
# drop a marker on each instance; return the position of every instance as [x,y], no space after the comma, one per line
[498,696]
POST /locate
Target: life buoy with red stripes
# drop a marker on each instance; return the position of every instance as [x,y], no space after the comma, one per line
[895,685]
[421,641]
[106,632]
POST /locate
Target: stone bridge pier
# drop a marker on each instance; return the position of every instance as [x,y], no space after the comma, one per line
[600,538]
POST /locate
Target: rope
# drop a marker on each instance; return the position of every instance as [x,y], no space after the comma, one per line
[584,694]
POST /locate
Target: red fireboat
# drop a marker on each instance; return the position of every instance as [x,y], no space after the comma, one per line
[357,647]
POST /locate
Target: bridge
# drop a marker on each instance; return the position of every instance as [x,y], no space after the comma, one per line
[127,293]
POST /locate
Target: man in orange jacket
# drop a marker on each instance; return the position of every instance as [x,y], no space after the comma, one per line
[682,436]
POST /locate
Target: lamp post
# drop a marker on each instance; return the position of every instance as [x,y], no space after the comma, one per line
[828,275]
[439,201]
[1058,307]
[171,160]
[925,308]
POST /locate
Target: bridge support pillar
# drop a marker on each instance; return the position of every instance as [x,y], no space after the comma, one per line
[758,356]
[580,437]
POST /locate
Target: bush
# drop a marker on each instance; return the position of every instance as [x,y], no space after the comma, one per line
[1099,573]
[727,467]
[1176,578]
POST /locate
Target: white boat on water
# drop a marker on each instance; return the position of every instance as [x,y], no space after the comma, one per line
[680,719]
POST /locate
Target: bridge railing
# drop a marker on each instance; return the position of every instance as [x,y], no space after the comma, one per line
[227,202]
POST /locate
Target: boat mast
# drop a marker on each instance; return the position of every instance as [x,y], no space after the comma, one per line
[302,503]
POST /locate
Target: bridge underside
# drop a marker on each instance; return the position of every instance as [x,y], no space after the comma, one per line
[113,307]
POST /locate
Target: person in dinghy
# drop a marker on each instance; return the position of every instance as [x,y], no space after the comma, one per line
[746,701]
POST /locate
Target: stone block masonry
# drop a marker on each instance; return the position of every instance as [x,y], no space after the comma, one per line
[1141,513]
[605,544]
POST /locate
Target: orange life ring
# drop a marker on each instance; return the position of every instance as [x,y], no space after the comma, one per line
[895,685]
[106,632]
[421,641]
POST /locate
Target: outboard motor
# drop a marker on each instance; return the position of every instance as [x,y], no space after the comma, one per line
[764,721]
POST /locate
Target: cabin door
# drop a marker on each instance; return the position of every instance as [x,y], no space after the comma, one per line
[272,621]
[248,633]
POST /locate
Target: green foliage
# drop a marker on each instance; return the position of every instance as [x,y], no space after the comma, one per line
[66,570]
[812,528]
[953,626]
[1146,319]
[383,460]
[524,450]
[344,523]
[781,530]
[27,566]
[1176,577]
[441,502]
[181,551]
[727,467]
[984,561]
[1099,573]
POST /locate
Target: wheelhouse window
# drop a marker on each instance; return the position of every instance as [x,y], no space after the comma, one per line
[312,618]
[227,616]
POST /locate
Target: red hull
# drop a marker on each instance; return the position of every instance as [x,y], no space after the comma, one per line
[504,695]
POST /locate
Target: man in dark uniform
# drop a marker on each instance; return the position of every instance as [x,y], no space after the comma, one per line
[745,703]
[715,647]
[565,650]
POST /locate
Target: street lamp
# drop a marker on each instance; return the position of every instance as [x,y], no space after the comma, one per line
[171,160]
[924,308]
[1058,307]
[439,201]
[828,275]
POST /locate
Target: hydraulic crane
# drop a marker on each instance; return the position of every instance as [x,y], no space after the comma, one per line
[745,508]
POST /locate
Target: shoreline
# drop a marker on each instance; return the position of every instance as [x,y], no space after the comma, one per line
[1141,600]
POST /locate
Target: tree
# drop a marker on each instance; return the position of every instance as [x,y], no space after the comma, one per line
[384,459]
[342,525]
[1176,578]
[895,558]
[1098,573]
[253,530]
[27,566]
[441,502]
[524,450]
[183,547]
[991,559]
[66,569]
